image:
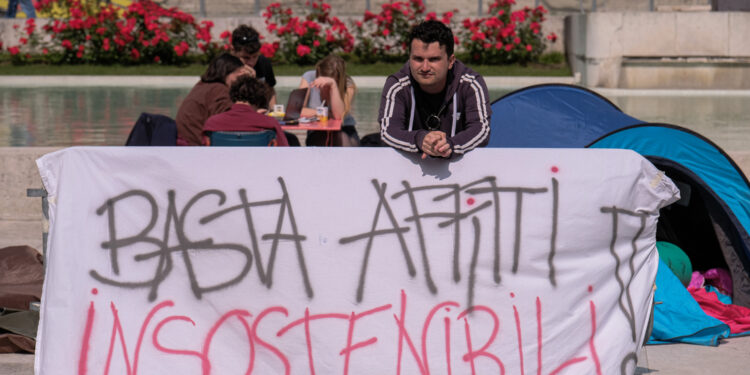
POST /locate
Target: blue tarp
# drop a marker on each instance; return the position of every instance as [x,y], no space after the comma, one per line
[678,317]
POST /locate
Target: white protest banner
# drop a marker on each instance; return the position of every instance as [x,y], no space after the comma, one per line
[347,261]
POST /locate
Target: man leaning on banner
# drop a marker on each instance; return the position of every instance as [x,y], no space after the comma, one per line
[435,104]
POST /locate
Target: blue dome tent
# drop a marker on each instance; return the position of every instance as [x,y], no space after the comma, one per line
[712,219]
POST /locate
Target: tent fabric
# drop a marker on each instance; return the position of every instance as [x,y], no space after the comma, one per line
[678,317]
[553,115]
[693,152]
[723,186]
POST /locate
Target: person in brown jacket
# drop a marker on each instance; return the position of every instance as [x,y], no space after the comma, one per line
[210,96]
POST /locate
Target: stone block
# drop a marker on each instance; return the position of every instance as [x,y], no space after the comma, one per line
[702,34]
[603,34]
[649,34]
[739,26]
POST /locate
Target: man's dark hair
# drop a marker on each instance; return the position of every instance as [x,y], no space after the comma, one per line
[221,67]
[246,39]
[249,90]
[433,31]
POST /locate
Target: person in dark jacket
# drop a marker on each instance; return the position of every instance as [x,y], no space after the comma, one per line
[246,45]
[435,104]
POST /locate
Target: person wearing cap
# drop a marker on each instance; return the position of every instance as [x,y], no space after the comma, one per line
[246,45]
[435,105]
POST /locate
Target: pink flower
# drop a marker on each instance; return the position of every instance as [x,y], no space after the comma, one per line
[508,47]
[105,44]
[302,50]
[498,45]
[386,32]
[528,47]
[45,51]
[316,43]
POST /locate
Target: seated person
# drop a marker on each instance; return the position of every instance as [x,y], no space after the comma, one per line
[330,84]
[435,104]
[208,97]
[247,114]
[246,45]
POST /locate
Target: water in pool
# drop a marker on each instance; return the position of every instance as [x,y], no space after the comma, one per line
[104,116]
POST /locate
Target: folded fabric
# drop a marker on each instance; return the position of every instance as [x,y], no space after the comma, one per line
[717,277]
[678,317]
[736,317]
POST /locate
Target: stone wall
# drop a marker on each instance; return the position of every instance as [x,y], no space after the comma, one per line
[660,49]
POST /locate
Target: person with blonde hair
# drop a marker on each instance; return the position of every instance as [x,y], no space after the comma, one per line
[330,86]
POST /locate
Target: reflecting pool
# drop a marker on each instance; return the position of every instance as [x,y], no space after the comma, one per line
[69,116]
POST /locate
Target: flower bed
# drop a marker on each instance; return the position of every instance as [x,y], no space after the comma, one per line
[147,33]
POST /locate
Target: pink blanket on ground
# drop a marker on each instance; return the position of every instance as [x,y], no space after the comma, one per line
[736,317]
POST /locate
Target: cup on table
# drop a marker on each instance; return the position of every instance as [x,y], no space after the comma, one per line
[278,108]
[322,113]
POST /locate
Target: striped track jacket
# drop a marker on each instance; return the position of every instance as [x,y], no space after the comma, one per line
[466,121]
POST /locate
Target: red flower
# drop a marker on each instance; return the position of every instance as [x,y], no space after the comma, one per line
[516,40]
[23,40]
[225,35]
[268,50]
[498,45]
[67,44]
[508,47]
[13,50]
[157,59]
[105,44]
[302,50]
[552,37]
[386,32]
[135,54]
[45,51]
[528,47]
[79,54]
[316,43]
